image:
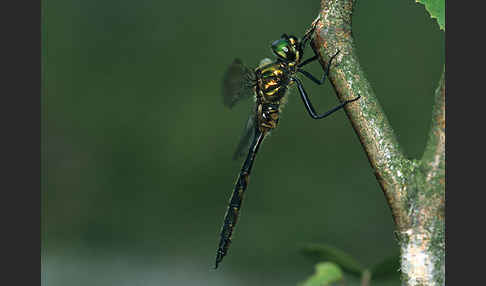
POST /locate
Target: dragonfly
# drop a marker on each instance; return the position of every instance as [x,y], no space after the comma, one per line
[269,84]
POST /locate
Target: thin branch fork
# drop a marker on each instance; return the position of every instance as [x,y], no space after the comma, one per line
[415,189]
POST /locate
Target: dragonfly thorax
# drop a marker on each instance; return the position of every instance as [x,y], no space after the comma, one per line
[272,81]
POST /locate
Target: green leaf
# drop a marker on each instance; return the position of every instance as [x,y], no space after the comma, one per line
[436,9]
[388,267]
[319,252]
[326,273]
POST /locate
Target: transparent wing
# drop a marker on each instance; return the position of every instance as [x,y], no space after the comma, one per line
[246,138]
[237,83]
[265,61]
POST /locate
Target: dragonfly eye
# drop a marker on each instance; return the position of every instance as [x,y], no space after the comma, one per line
[284,49]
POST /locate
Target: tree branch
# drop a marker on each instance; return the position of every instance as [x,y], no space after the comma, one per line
[434,155]
[423,247]
[333,33]
[415,190]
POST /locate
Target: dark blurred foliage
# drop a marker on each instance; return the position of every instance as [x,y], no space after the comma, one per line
[136,144]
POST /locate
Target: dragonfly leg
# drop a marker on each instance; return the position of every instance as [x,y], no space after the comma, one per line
[309,60]
[307,36]
[311,77]
[308,104]
[303,43]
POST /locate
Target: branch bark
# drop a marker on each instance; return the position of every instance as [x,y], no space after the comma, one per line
[414,189]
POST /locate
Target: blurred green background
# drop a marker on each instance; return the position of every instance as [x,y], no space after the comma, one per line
[136,144]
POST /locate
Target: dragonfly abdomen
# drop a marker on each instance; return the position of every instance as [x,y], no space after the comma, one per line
[231,216]
[232,213]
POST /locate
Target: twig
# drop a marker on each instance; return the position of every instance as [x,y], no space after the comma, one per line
[333,32]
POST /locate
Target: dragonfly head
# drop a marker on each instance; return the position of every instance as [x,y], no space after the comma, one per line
[287,48]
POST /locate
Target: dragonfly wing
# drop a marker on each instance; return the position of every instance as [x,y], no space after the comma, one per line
[246,138]
[237,83]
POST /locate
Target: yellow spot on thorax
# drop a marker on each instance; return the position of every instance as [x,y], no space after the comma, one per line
[269,84]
